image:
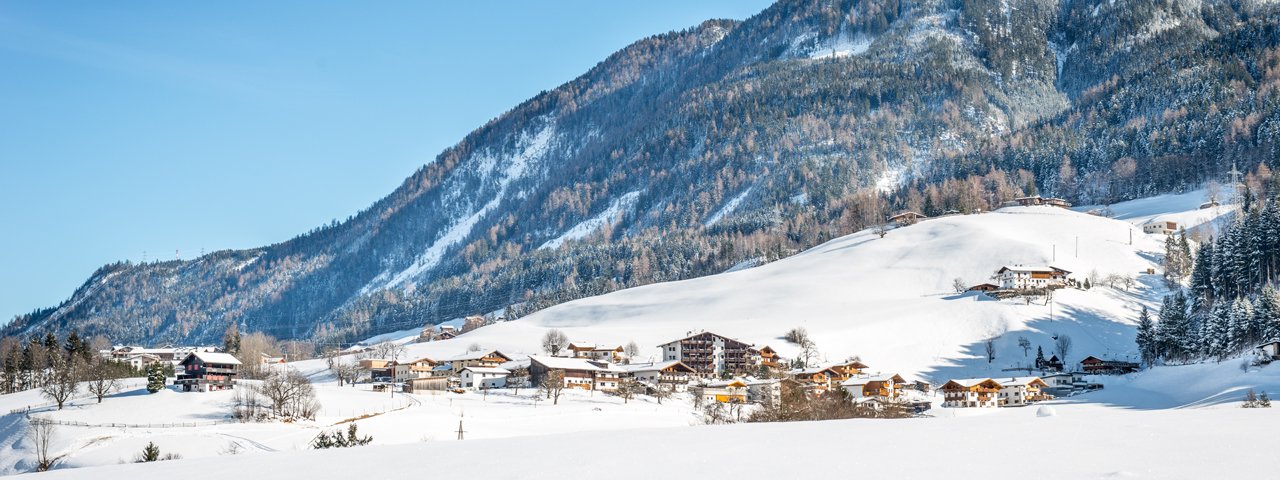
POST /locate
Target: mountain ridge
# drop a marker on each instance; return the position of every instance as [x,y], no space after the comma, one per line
[738,141]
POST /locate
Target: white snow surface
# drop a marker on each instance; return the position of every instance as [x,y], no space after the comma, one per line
[591,225]
[888,300]
[728,207]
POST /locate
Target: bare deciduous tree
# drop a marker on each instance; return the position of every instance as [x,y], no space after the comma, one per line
[631,351]
[388,350]
[1025,345]
[103,377]
[958,285]
[990,348]
[1062,345]
[63,381]
[552,385]
[41,434]
[627,389]
[290,393]
[553,341]
[517,378]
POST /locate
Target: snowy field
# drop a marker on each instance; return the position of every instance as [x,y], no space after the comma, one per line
[888,300]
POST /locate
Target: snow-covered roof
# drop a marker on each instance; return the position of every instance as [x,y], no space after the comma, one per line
[475,356]
[493,370]
[733,382]
[1026,268]
[565,363]
[648,367]
[1017,381]
[872,378]
[216,357]
[969,382]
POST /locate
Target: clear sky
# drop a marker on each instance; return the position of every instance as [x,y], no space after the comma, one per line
[175,127]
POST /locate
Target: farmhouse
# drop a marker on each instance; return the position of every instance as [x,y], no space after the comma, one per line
[208,371]
[1022,277]
[1160,227]
[482,378]
[710,355]
[764,391]
[426,384]
[1019,391]
[591,351]
[970,392]
[492,358]
[767,357]
[1095,365]
[140,361]
[1035,200]
[578,372]
[983,287]
[818,379]
[882,387]
[726,391]
[672,374]
[410,369]
[907,218]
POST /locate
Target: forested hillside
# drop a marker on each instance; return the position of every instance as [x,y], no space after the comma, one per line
[691,152]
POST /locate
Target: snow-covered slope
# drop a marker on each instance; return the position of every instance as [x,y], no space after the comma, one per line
[889,300]
[1077,442]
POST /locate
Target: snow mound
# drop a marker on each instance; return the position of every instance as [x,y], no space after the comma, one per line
[1046,411]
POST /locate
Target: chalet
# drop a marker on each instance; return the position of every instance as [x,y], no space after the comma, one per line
[907,218]
[766,357]
[819,379]
[1269,351]
[983,287]
[482,378]
[1036,200]
[710,355]
[1160,227]
[492,358]
[579,373]
[140,361]
[1053,364]
[1095,365]
[883,387]
[409,369]
[166,354]
[270,360]
[1020,391]
[1021,277]
[591,351]
[726,391]
[208,371]
[764,391]
[672,374]
[1209,204]
[971,392]
[849,369]
[377,367]
[1063,384]
[426,384]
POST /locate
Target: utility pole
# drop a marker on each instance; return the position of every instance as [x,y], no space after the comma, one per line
[460,430]
[1055,252]
[1077,246]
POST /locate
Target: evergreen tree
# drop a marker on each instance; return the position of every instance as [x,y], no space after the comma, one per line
[1216,332]
[1239,320]
[1202,278]
[155,378]
[1266,315]
[1146,338]
[1039,356]
[150,453]
[231,340]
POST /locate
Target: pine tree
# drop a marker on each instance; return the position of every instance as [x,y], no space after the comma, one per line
[155,378]
[1266,315]
[1239,319]
[1202,279]
[1146,338]
[1214,336]
[1039,356]
[231,340]
[150,453]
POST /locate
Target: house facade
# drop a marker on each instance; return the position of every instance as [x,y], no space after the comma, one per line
[591,351]
[766,392]
[1098,366]
[410,369]
[1160,227]
[971,393]
[426,384]
[671,374]
[1020,391]
[491,358]
[726,391]
[208,371]
[1022,277]
[880,387]
[483,378]
[710,355]
[579,373]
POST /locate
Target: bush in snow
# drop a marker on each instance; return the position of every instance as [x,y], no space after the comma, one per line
[336,439]
[1256,400]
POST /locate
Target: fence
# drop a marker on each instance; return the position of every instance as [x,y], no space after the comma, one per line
[138,425]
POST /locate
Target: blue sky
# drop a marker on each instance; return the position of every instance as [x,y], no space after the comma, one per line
[132,127]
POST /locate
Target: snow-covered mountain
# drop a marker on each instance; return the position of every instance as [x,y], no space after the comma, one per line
[691,152]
